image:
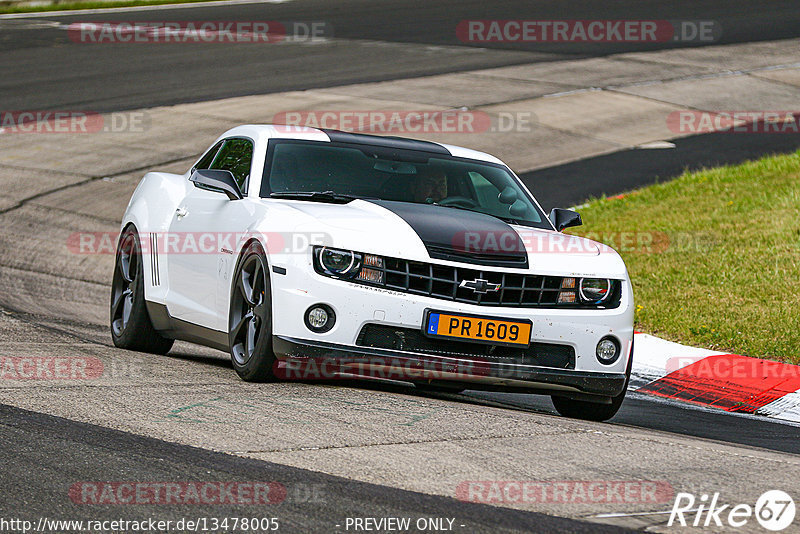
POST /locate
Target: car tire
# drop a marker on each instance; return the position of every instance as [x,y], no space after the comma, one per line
[594,411]
[131,327]
[250,317]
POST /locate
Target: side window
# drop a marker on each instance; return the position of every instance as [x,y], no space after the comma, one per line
[208,157]
[235,156]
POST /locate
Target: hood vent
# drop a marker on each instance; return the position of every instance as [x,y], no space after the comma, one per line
[517,261]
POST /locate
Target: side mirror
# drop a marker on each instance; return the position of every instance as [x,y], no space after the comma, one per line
[217,180]
[562,218]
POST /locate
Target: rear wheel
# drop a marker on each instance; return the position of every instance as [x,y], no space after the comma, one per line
[594,411]
[131,327]
[250,318]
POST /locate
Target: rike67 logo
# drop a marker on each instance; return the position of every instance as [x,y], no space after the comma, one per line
[774,510]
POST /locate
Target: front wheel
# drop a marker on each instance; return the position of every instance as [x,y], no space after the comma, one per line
[591,411]
[594,411]
[131,327]
[250,318]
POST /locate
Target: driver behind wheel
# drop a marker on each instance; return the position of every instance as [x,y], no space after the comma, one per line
[430,186]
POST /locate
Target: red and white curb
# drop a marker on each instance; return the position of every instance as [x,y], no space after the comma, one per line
[730,382]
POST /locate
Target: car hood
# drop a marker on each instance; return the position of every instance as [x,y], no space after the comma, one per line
[429,233]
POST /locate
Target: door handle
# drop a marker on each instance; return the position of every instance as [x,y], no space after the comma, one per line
[181,212]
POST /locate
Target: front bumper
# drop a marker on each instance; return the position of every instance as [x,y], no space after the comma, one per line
[304,359]
[357,306]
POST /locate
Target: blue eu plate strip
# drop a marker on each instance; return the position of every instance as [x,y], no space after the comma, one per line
[433,323]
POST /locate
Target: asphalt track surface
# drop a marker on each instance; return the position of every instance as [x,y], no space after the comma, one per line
[314,502]
[373,41]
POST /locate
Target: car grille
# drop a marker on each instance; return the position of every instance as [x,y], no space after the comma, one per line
[442,281]
[411,340]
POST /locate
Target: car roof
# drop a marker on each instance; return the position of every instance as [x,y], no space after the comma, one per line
[264,132]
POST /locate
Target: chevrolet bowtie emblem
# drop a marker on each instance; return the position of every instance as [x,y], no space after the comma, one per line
[479,285]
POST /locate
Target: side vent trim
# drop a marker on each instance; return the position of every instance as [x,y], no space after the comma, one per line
[156,275]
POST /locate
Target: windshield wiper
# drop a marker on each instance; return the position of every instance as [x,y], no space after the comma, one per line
[456,206]
[315,196]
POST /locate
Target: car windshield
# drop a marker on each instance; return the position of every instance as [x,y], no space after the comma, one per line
[402,175]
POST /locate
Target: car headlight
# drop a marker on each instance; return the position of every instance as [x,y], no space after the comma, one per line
[350,265]
[595,290]
[585,290]
[336,262]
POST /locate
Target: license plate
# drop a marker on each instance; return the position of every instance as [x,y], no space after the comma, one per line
[479,329]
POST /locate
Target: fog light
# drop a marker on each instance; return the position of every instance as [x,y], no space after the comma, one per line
[607,350]
[317,317]
[320,318]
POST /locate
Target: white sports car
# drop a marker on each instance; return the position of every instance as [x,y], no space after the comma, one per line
[310,253]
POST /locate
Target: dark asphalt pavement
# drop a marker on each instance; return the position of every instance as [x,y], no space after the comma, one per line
[575,182]
[44,70]
[46,456]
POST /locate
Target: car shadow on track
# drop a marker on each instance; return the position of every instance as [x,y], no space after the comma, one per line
[637,411]
[483,398]
[217,361]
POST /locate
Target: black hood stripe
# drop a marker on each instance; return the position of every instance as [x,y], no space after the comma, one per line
[461,235]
